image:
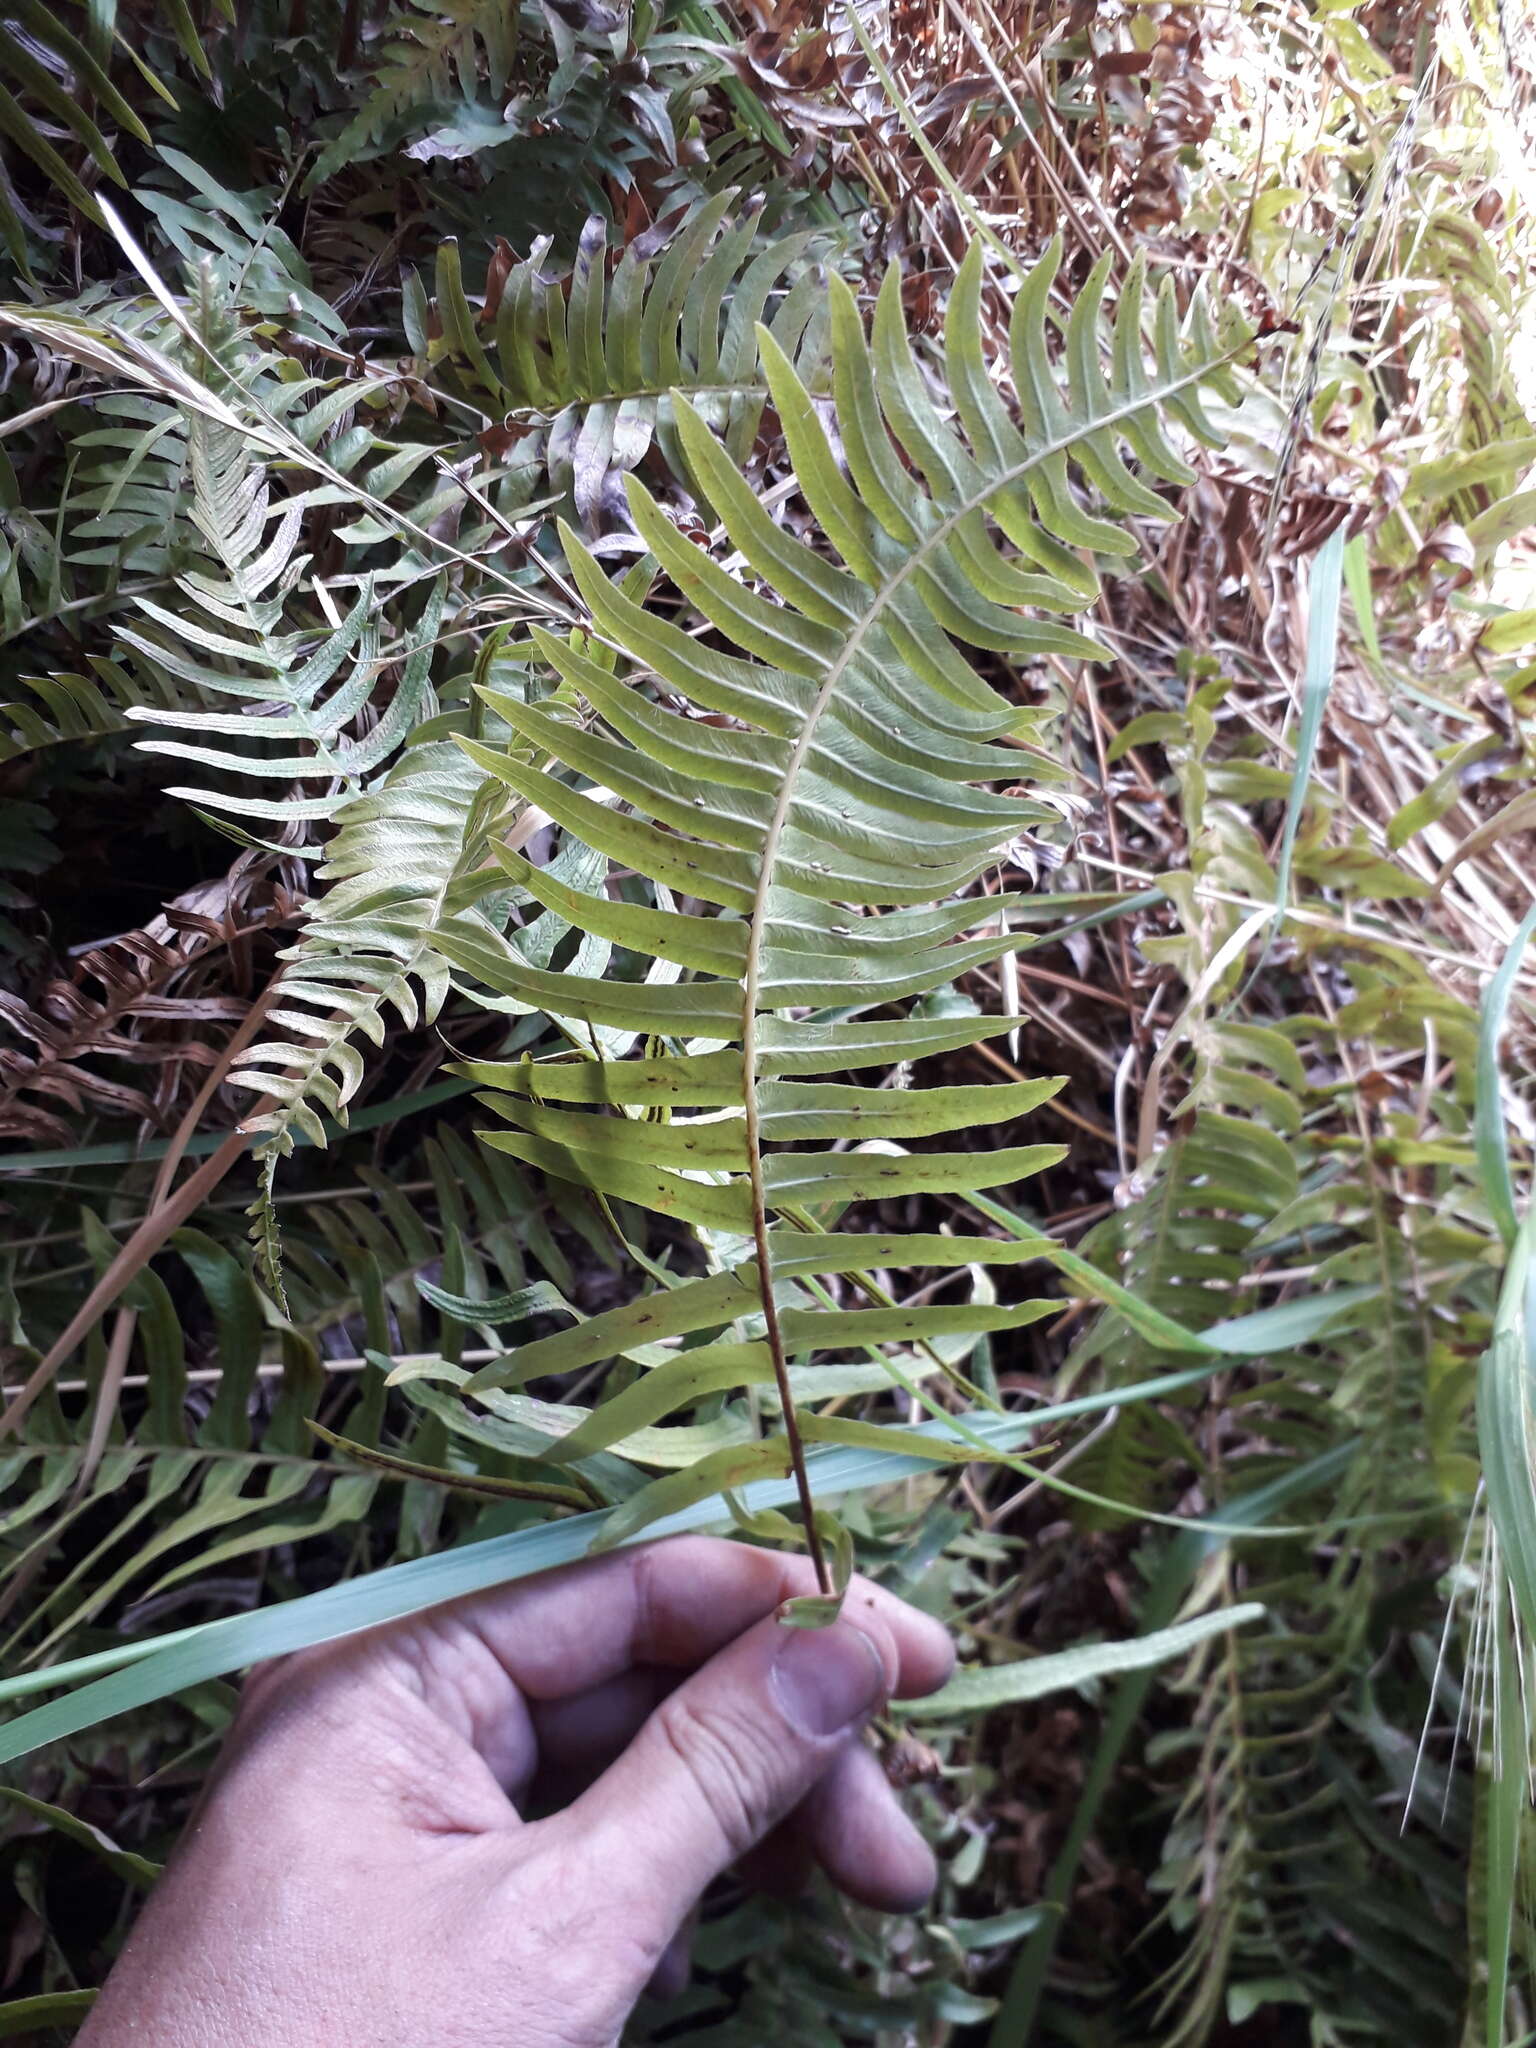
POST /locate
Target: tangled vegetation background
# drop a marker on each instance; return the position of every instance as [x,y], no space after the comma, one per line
[516,520]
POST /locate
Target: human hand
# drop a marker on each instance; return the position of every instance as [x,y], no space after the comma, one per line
[361,1873]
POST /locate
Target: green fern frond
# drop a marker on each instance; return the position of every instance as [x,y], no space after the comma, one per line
[405,856]
[132,487]
[1275,1853]
[436,53]
[401,837]
[237,236]
[232,643]
[1183,1247]
[228,1485]
[227,1475]
[841,786]
[125,501]
[592,361]
[69,706]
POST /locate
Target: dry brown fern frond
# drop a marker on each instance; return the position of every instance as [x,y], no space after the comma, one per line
[150,999]
[1180,118]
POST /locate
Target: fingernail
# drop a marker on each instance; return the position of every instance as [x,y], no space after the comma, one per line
[825,1678]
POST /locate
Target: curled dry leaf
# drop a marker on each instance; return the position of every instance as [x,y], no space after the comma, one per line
[910,1762]
[1182,116]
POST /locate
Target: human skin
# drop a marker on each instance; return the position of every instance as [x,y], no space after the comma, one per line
[366,1869]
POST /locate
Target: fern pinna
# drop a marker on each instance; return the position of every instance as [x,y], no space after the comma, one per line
[584,369]
[823,795]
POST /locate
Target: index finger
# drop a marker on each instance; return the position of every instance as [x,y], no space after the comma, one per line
[674,1604]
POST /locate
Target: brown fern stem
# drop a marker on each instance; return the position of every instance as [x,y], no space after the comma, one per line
[776,1352]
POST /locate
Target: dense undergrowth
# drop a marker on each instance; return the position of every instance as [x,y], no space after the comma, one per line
[775,767]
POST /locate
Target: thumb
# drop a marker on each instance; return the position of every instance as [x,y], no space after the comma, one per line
[730,1753]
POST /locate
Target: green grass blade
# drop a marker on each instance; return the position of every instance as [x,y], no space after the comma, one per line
[239,1640]
[1323,593]
[1357,575]
[1317,682]
[133,1870]
[192,1655]
[1489,1132]
[1506,1812]
[1165,1386]
[1504,1426]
